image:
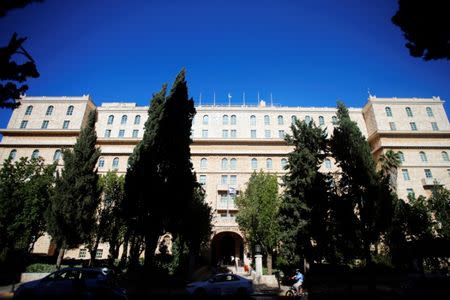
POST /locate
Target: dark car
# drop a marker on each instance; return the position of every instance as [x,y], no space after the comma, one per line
[73,283]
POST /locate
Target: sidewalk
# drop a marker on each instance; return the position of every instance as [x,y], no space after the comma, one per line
[5,291]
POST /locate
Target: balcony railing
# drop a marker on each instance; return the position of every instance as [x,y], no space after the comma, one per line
[230,205]
[430,182]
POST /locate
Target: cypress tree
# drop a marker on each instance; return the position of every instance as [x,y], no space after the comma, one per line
[71,217]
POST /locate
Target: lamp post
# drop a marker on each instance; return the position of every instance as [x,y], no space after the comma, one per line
[258,261]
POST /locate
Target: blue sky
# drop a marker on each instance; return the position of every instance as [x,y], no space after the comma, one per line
[306,53]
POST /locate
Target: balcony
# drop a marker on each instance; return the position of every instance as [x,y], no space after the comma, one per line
[430,182]
[225,221]
[230,205]
[227,187]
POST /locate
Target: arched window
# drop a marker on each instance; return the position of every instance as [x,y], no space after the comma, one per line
[12,154]
[254,164]
[124,120]
[252,120]
[115,163]
[69,110]
[203,163]
[233,164]
[280,120]
[233,120]
[401,156]
[307,119]
[137,120]
[205,120]
[334,120]
[444,156]
[283,163]
[110,119]
[35,154]
[225,120]
[266,120]
[49,110]
[57,155]
[388,111]
[429,112]
[29,110]
[293,119]
[321,120]
[409,111]
[224,163]
[423,156]
[327,163]
[101,162]
[269,164]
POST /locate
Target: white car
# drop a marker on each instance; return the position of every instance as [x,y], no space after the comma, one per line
[223,284]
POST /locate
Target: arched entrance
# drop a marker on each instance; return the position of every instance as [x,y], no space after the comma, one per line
[225,245]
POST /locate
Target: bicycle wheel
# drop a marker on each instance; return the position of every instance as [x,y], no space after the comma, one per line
[290,293]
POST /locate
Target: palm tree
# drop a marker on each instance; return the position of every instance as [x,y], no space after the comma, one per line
[389,163]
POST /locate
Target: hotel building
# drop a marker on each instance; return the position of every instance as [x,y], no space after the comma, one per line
[231,142]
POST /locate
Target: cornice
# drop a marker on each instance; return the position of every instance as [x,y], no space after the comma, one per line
[424,134]
[40,132]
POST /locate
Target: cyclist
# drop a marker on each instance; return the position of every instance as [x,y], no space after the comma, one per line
[298,277]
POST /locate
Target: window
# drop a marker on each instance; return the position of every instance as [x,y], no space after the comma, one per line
[253,120]
[413,126]
[429,112]
[233,133]
[66,124]
[224,179]
[115,163]
[82,253]
[224,163]
[135,133]
[444,156]
[405,174]
[12,154]
[334,120]
[203,163]
[392,126]
[225,120]
[57,155]
[99,254]
[101,162]
[35,154]
[110,119]
[49,110]
[428,173]
[69,110]
[434,126]
[293,119]
[281,134]
[137,120]
[283,163]
[204,133]
[233,180]
[108,133]
[409,111]
[410,192]
[448,172]
[266,120]
[233,164]
[388,111]
[124,120]
[225,134]
[121,133]
[202,179]
[233,120]
[423,156]
[280,120]
[321,120]
[307,119]
[254,164]
[327,163]
[269,164]
[401,156]
[44,124]
[267,134]
[253,134]
[29,110]
[23,124]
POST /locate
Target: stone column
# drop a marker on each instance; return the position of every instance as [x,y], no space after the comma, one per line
[258,265]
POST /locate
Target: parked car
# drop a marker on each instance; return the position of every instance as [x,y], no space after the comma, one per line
[222,284]
[73,283]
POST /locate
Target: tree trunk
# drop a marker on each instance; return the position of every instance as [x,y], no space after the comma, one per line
[269,263]
[151,241]
[123,258]
[62,250]
[94,253]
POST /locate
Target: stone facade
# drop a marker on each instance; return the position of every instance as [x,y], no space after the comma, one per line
[230,142]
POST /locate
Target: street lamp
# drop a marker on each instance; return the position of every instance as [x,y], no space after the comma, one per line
[257,249]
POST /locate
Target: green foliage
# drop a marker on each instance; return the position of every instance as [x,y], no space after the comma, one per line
[40,268]
[440,204]
[71,217]
[389,163]
[25,189]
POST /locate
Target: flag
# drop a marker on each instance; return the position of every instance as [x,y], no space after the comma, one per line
[232,191]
